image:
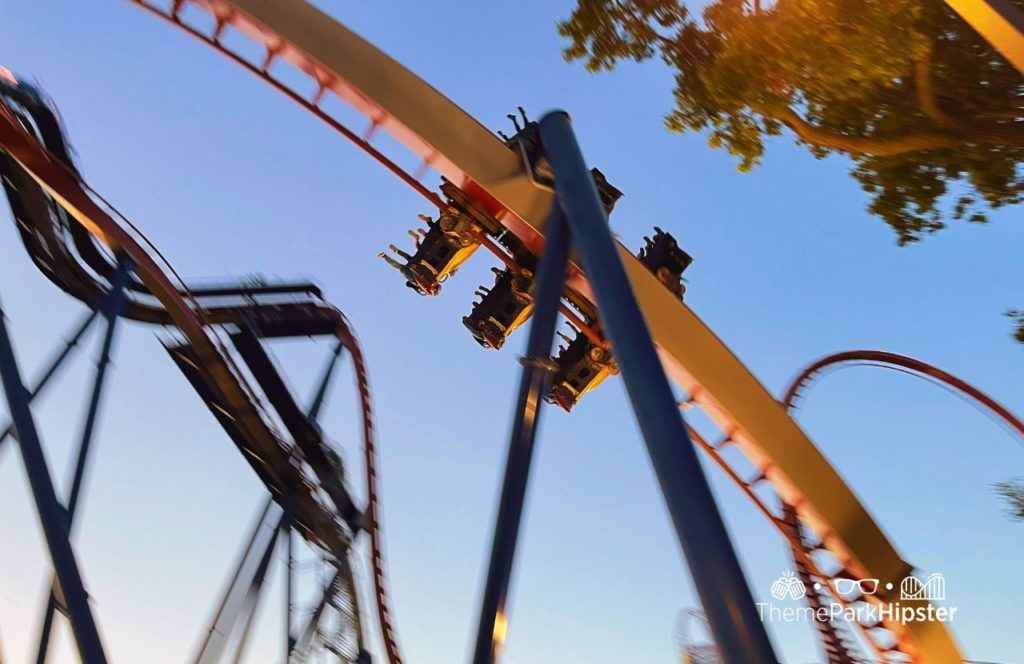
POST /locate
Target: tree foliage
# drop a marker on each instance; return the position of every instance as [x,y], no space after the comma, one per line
[1013,493]
[929,113]
[1018,319]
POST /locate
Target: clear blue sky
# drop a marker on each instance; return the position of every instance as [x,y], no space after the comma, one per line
[229,178]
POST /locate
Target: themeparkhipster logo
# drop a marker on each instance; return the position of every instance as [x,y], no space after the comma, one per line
[913,591]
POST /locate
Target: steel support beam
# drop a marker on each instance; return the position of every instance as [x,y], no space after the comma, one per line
[289,597]
[111,308]
[52,516]
[305,639]
[325,382]
[728,604]
[230,605]
[533,387]
[52,367]
[254,593]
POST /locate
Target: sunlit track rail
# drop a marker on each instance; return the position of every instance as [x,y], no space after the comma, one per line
[785,516]
[445,138]
[894,362]
[902,363]
[803,551]
[312,104]
[74,237]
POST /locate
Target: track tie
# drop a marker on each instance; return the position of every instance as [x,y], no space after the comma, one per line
[268,60]
[722,443]
[760,477]
[218,30]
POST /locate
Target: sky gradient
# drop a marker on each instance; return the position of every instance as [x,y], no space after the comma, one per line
[230,179]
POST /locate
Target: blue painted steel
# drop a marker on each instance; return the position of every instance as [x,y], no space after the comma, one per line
[52,367]
[220,624]
[533,386]
[52,515]
[325,382]
[111,309]
[728,604]
[112,306]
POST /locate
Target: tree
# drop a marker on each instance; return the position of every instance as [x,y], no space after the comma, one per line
[1013,492]
[930,114]
[1018,319]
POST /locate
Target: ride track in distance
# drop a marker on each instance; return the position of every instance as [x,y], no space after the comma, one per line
[836,647]
[78,240]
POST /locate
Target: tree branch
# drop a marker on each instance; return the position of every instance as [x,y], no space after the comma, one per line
[878,147]
[926,92]
[989,133]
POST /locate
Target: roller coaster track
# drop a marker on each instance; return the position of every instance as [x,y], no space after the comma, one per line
[394,100]
[835,646]
[813,574]
[81,244]
[845,542]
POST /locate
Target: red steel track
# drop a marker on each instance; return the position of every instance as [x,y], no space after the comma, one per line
[835,646]
[883,643]
[178,308]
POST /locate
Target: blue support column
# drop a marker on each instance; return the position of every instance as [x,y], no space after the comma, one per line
[112,306]
[306,634]
[230,605]
[254,593]
[289,599]
[728,604]
[325,382]
[111,309]
[51,369]
[533,386]
[52,516]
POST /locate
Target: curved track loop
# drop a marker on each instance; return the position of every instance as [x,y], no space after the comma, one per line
[73,237]
[887,647]
[447,139]
[223,16]
[835,646]
[881,640]
[883,359]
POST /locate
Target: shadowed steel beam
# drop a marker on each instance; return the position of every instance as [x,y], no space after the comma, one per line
[111,309]
[533,386]
[728,604]
[227,610]
[999,22]
[52,367]
[325,381]
[305,639]
[254,592]
[289,599]
[52,515]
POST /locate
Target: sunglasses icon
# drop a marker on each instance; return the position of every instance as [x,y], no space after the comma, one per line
[849,586]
